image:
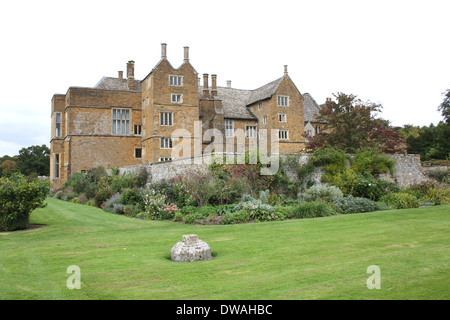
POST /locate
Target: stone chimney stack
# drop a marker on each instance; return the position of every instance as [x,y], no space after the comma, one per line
[120,74]
[228,83]
[186,54]
[285,70]
[130,75]
[205,85]
[163,51]
[213,85]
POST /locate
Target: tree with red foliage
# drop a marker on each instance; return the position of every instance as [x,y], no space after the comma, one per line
[351,124]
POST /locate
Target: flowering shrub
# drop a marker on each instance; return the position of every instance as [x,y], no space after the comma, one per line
[367,186]
[156,207]
[192,188]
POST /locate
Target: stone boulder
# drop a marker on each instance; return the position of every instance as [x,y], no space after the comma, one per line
[190,249]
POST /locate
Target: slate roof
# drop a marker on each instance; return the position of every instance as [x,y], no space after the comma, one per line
[264,92]
[110,83]
[236,101]
[310,108]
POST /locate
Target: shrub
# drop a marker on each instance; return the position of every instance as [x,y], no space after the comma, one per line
[119,182]
[212,217]
[431,191]
[352,204]
[372,162]
[188,210]
[131,210]
[88,182]
[178,216]
[400,200]
[258,210]
[312,210]
[367,186]
[286,212]
[227,191]
[264,196]
[112,204]
[224,209]
[101,196]
[205,211]
[228,218]
[165,187]
[156,206]
[190,218]
[274,199]
[141,178]
[438,195]
[322,193]
[18,198]
[241,216]
[441,175]
[131,196]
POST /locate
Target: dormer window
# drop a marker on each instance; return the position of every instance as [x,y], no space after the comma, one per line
[176,81]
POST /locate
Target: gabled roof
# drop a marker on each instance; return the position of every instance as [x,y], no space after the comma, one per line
[264,92]
[310,108]
[110,83]
[176,69]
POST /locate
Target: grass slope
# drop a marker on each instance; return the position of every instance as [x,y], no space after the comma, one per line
[321,258]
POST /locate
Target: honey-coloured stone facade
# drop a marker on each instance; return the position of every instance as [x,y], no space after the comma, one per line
[168,115]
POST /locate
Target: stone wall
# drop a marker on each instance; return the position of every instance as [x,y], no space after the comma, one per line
[407,171]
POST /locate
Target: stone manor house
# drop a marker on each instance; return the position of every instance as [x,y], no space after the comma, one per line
[123,121]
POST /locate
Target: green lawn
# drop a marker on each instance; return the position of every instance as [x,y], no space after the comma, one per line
[320,258]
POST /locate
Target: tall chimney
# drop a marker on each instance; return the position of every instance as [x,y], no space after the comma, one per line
[130,75]
[120,74]
[163,51]
[285,70]
[186,54]
[213,85]
[205,85]
[228,83]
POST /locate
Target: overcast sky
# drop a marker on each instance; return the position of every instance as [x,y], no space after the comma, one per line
[391,52]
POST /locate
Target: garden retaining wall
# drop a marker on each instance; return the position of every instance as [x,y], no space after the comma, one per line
[407,171]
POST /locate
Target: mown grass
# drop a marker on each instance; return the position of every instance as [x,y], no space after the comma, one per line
[320,258]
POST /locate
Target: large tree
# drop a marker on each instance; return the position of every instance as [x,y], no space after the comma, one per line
[351,124]
[34,160]
[444,107]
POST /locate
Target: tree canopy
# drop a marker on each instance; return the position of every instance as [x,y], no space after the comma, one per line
[351,125]
[444,107]
[34,160]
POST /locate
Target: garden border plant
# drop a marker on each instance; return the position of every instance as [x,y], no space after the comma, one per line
[237,193]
